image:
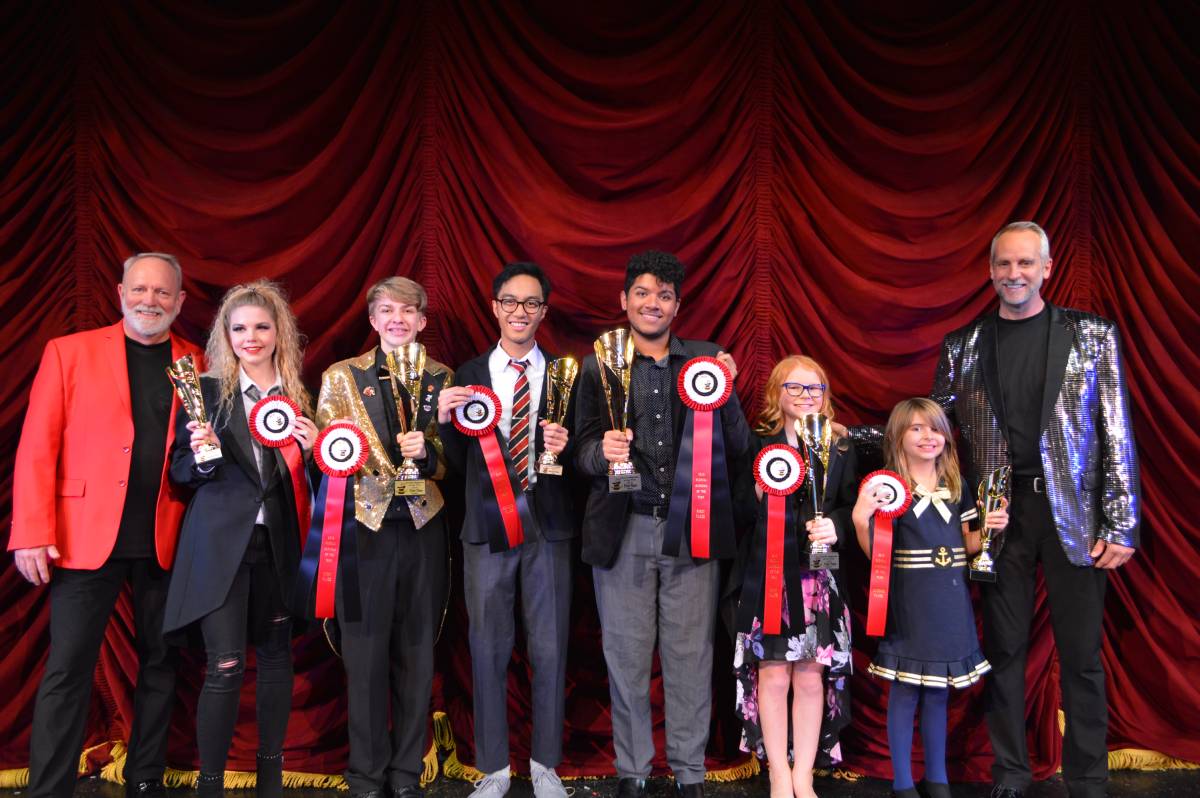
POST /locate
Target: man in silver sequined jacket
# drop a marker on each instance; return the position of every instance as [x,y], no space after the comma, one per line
[1042,389]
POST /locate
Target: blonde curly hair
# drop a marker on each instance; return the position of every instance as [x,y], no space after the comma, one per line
[289,343]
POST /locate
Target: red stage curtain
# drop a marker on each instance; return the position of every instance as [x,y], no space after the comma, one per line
[830,172]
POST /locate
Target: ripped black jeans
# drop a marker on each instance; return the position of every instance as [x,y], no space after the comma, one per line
[225,635]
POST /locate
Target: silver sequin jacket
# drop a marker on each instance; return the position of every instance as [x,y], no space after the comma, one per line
[1088,454]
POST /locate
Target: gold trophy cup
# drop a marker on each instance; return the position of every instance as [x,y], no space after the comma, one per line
[992,492]
[614,353]
[406,365]
[187,384]
[561,377]
[816,430]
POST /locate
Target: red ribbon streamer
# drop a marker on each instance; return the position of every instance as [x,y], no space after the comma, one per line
[331,541]
[702,431]
[881,574]
[493,458]
[294,457]
[773,591]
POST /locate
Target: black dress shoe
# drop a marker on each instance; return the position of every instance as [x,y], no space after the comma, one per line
[933,789]
[630,787]
[146,789]
[408,791]
[907,792]
[690,790]
[367,794]
[1004,791]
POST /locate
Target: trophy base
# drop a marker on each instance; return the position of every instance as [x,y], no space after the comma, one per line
[550,469]
[410,487]
[209,454]
[824,560]
[624,483]
[981,576]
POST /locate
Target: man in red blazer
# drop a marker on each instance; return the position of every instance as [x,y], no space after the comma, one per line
[92,510]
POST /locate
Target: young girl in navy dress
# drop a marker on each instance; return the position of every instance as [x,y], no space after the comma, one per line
[811,654]
[930,642]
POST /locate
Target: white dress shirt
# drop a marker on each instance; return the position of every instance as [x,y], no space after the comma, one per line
[504,383]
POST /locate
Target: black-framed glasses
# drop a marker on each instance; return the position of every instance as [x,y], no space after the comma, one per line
[509,304]
[816,391]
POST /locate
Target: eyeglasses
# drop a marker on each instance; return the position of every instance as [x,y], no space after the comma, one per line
[509,304]
[797,389]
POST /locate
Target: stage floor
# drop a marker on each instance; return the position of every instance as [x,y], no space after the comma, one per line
[1122,784]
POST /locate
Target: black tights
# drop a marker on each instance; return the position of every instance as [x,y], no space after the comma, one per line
[224,632]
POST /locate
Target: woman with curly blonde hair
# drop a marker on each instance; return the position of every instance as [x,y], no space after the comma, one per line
[810,655]
[239,548]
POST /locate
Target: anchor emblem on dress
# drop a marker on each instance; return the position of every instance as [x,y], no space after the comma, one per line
[943,558]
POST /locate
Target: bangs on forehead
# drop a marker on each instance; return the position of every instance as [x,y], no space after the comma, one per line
[394,299]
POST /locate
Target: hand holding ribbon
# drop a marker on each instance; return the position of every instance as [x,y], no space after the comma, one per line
[478,416]
[341,450]
[778,473]
[276,422]
[891,493]
[700,499]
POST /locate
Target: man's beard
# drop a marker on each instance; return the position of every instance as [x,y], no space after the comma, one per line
[147,328]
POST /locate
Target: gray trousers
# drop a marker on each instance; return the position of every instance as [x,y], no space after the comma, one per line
[543,570]
[645,595]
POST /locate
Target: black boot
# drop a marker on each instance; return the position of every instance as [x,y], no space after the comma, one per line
[269,776]
[210,785]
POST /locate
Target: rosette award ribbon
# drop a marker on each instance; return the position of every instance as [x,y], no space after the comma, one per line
[508,511]
[340,451]
[272,424]
[700,498]
[898,498]
[778,471]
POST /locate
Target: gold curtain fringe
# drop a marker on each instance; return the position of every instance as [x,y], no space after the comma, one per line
[445,748]
[1143,759]
[430,761]
[747,770]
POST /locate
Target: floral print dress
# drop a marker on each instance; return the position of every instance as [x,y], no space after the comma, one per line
[816,628]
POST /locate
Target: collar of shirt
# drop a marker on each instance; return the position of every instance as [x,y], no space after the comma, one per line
[244,383]
[675,348]
[938,498]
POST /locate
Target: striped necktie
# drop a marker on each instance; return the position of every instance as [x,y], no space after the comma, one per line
[518,436]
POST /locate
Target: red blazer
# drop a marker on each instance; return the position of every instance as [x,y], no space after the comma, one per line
[73,459]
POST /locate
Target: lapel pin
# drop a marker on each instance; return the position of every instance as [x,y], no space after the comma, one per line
[368,391]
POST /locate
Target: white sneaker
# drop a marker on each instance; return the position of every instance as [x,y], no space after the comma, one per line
[547,784]
[493,785]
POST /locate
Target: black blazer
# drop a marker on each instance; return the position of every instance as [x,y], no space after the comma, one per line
[607,513]
[550,499]
[746,580]
[220,517]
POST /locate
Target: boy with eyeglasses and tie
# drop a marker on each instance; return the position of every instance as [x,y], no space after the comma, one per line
[493,565]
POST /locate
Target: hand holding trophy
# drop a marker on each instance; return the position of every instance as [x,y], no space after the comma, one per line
[405,366]
[561,379]
[614,353]
[183,376]
[993,491]
[816,431]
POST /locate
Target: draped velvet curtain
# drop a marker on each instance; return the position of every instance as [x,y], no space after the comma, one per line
[830,172]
